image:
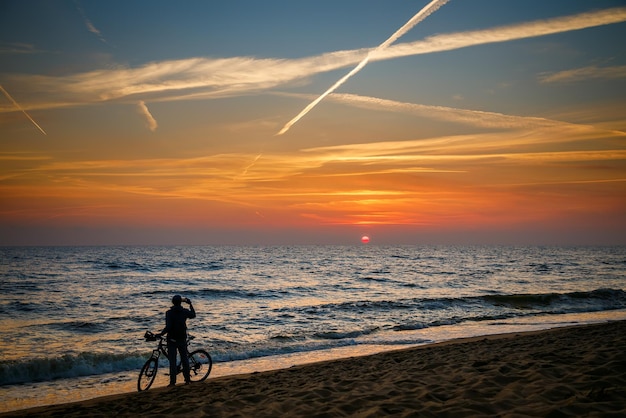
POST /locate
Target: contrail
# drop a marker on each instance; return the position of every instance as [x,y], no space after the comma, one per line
[245,171]
[421,15]
[6,93]
[151,123]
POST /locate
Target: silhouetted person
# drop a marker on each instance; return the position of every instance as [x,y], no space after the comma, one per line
[176,330]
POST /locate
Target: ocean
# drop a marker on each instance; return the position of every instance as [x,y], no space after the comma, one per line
[73,318]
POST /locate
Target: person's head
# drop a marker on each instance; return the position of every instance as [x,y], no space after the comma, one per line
[177,300]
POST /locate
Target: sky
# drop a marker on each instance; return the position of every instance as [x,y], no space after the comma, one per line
[249,122]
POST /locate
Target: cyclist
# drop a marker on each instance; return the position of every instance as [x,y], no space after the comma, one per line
[176,330]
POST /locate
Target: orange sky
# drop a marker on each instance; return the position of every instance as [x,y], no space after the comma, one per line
[517,137]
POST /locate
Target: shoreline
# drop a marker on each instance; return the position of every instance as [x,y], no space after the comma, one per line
[83,388]
[572,370]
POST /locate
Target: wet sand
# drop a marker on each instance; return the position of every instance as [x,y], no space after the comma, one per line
[574,371]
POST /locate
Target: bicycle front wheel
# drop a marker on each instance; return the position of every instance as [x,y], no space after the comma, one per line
[200,365]
[147,374]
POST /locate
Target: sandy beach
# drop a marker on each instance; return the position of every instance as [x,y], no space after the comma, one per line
[573,371]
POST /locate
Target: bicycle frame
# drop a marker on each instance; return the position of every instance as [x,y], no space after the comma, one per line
[200,362]
[162,348]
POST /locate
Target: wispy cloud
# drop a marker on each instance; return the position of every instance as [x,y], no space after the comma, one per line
[90,27]
[17,48]
[205,78]
[430,8]
[452,41]
[450,114]
[585,73]
[476,118]
[151,123]
[319,172]
[477,147]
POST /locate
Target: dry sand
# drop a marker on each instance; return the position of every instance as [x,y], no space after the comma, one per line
[575,371]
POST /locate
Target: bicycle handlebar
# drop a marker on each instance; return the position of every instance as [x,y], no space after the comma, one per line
[149,336]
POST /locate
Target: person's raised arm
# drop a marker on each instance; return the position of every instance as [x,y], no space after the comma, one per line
[192,311]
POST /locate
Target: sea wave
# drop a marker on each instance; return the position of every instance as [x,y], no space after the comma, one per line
[66,366]
[215,293]
[147,266]
[90,364]
[569,302]
[599,299]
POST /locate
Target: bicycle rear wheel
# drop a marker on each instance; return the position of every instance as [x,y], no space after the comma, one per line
[147,374]
[200,365]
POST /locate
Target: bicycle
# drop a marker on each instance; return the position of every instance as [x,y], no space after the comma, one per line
[200,363]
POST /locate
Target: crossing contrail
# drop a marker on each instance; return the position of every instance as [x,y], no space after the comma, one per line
[6,93]
[421,15]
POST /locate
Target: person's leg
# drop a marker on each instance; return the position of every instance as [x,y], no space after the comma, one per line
[184,360]
[171,357]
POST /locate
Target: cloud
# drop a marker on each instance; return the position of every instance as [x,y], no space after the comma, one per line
[452,41]
[193,78]
[90,27]
[585,73]
[206,78]
[318,171]
[151,123]
[450,114]
[475,118]
[17,48]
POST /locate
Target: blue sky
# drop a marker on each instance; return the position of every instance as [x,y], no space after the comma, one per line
[137,122]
